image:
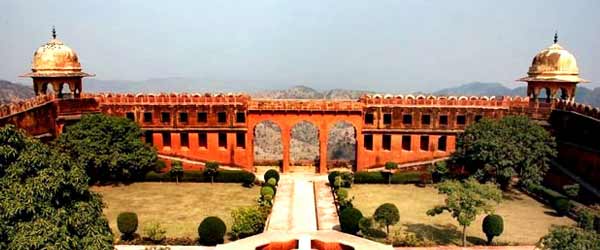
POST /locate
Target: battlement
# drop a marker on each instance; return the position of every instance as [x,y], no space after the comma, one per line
[583,109]
[305,105]
[168,98]
[23,105]
[422,100]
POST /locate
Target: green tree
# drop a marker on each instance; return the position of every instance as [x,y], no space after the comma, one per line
[498,150]
[211,169]
[45,202]
[176,170]
[387,215]
[569,238]
[465,200]
[110,148]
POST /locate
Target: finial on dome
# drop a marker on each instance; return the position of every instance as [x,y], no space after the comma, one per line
[556,37]
[53,32]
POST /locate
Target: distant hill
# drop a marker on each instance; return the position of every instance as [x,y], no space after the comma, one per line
[304,92]
[10,92]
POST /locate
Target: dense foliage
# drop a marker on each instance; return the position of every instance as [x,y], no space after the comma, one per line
[247,221]
[562,206]
[349,219]
[109,148]
[387,214]
[211,231]
[498,150]
[154,232]
[492,226]
[465,200]
[570,238]
[267,190]
[127,222]
[45,202]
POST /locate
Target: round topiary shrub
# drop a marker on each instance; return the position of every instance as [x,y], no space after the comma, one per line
[267,190]
[211,231]
[127,222]
[272,182]
[349,219]
[562,206]
[331,177]
[492,226]
[272,173]
[342,194]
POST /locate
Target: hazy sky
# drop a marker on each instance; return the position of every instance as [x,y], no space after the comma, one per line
[378,45]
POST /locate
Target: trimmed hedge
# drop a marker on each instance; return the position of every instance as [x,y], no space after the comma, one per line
[493,225]
[381,178]
[227,176]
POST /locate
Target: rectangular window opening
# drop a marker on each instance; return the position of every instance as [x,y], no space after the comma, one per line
[406,142]
[202,140]
[202,117]
[240,117]
[442,143]
[240,139]
[425,119]
[369,118]
[407,119]
[166,138]
[147,117]
[387,119]
[130,116]
[461,120]
[386,141]
[368,142]
[221,117]
[185,140]
[165,117]
[223,140]
[425,143]
[443,120]
[183,117]
[148,137]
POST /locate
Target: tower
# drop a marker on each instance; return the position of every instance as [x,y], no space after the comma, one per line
[56,65]
[553,71]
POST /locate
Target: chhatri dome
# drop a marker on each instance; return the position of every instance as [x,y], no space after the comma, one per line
[553,74]
[553,64]
[57,66]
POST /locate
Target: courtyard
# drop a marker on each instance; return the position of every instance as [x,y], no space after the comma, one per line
[179,208]
[525,219]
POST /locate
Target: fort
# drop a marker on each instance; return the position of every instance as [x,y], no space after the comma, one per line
[408,129]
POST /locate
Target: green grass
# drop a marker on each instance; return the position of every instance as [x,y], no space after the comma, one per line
[179,208]
[525,219]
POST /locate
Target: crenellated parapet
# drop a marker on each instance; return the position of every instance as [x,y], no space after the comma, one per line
[169,98]
[583,109]
[305,105]
[23,105]
[422,100]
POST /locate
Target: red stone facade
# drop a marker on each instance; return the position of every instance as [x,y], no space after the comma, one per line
[207,127]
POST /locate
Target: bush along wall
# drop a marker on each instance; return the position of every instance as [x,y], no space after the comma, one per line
[226,176]
[381,177]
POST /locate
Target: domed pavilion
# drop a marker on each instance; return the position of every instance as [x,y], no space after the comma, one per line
[553,70]
[57,65]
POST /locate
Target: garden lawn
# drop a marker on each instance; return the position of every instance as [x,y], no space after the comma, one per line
[525,219]
[179,208]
